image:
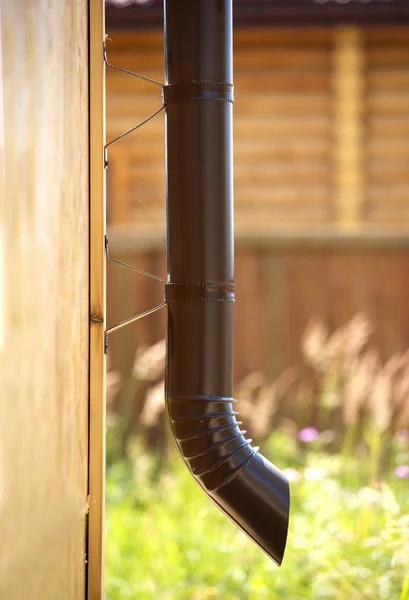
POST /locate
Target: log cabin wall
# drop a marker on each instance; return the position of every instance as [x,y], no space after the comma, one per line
[321,183]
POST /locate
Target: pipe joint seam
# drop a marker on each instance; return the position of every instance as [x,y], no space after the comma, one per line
[210,291]
[196,91]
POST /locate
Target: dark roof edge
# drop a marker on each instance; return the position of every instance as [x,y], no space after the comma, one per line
[267,15]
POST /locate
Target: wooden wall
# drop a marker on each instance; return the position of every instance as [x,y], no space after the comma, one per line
[320,129]
[44,348]
[321,167]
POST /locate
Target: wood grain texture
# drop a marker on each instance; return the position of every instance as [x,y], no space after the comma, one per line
[44,357]
[97,305]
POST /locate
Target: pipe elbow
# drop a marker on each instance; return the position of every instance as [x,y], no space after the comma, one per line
[250,490]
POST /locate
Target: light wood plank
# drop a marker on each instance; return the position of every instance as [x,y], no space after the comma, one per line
[388,55]
[284,199]
[313,148]
[281,197]
[44,357]
[97,305]
[388,126]
[392,79]
[388,148]
[386,101]
[390,35]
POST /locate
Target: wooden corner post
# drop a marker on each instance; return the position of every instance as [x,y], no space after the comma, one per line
[97,302]
[348,128]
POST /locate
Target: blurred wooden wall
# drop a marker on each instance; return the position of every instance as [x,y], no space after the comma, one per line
[321,122]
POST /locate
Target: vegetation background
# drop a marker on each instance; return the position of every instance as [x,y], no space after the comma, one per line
[338,424]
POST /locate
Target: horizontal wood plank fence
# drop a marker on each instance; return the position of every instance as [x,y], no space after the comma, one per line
[278,290]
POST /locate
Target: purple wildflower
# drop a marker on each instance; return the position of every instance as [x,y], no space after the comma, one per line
[308,434]
[402,471]
[403,435]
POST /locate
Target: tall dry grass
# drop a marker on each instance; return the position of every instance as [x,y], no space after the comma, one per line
[341,387]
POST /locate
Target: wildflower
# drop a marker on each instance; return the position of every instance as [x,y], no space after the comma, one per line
[403,435]
[308,434]
[402,471]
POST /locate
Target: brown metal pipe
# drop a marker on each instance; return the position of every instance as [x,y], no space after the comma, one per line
[200,289]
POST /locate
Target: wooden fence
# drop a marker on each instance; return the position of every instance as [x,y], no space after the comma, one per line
[280,288]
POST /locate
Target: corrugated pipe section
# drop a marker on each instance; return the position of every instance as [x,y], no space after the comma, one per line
[200,289]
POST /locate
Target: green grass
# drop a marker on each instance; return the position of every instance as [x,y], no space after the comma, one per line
[167,541]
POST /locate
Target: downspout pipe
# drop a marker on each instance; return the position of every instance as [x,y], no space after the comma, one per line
[200,291]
